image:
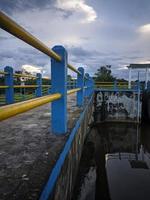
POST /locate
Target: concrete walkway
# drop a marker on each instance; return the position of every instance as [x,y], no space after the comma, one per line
[28,151]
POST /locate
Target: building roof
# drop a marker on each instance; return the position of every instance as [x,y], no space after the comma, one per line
[139,66]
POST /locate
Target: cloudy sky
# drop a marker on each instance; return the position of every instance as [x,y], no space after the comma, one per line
[95,32]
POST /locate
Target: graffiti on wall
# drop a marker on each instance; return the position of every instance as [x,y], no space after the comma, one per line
[117,105]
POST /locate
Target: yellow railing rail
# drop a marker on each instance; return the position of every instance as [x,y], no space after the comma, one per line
[17,108]
[121,83]
[73,91]
[3,73]
[110,82]
[46,86]
[15,29]
[104,84]
[24,86]
[120,86]
[24,75]
[3,86]
[21,107]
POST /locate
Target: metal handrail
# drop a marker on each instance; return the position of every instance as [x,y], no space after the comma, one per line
[15,29]
[24,75]
[117,84]
[17,108]
[103,82]
[3,73]
[46,85]
[3,86]
[23,86]
[21,107]
[73,91]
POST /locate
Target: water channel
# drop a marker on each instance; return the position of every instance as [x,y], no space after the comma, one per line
[115,163]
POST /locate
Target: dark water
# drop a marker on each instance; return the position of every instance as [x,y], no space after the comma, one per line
[115,163]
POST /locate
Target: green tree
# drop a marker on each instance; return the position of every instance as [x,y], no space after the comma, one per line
[103,74]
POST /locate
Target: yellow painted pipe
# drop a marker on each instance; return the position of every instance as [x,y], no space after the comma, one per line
[111,85]
[73,69]
[24,75]
[25,86]
[122,83]
[111,82]
[103,82]
[17,108]
[46,86]
[72,80]
[3,73]
[15,29]
[105,85]
[73,91]
[12,27]
[21,107]
[3,86]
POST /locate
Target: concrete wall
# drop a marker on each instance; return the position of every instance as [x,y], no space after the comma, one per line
[65,183]
[146,106]
[117,106]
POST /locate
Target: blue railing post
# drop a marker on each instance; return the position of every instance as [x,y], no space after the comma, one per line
[9,92]
[80,84]
[39,85]
[86,85]
[59,85]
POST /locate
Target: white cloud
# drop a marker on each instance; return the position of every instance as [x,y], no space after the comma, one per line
[122,67]
[65,28]
[78,6]
[143,62]
[56,31]
[145,28]
[32,69]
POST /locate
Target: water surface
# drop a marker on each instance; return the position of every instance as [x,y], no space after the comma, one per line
[115,163]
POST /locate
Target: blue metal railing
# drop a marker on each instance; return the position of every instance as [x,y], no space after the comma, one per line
[83,85]
[59,65]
